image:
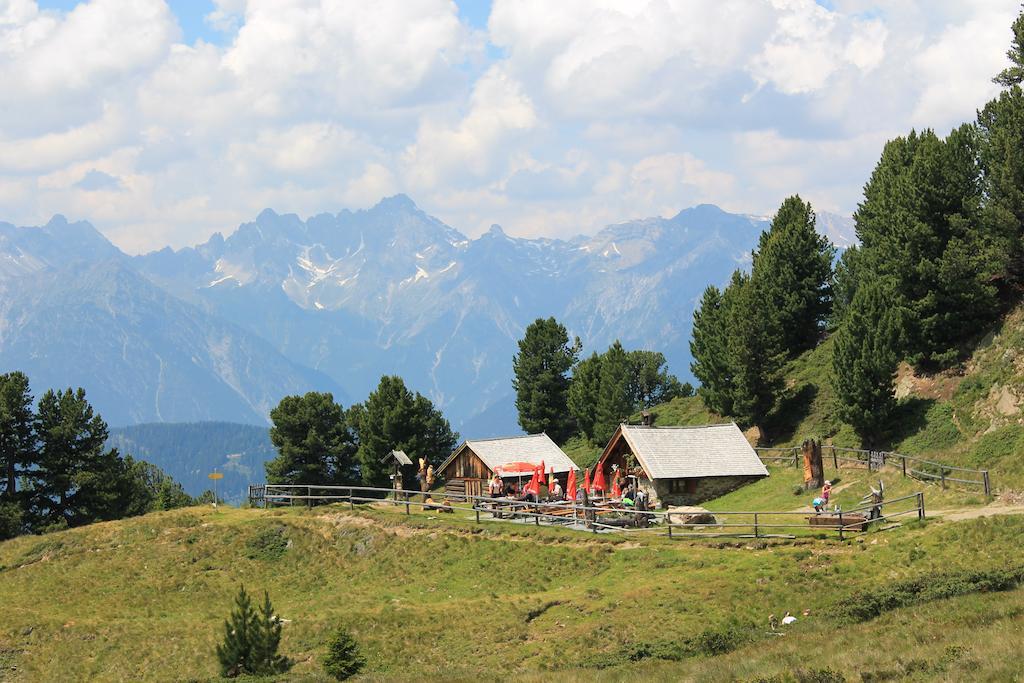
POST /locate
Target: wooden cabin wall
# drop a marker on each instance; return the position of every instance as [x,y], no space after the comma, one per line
[467,465]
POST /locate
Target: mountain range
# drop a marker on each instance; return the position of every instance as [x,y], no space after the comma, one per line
[223,330]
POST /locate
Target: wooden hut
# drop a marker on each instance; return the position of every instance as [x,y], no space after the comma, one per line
[682,465]
[468,468]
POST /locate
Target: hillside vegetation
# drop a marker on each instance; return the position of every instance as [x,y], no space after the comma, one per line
[430,598]
[970,416]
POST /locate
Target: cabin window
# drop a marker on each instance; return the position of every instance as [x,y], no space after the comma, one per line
[683,485]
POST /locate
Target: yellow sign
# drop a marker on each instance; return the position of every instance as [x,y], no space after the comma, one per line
[215,475]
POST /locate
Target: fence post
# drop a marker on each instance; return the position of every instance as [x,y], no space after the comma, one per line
[920,506]
[835,460]
[407,504]
[536,515]
[309,497]
[475,507]
[840,525]
[796,453]
[903,461]
[351,505]
[756,534]
[988,486]
[669,521]
[943,471]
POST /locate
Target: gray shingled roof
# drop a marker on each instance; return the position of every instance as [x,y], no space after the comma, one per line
[533,449]
[399,456]
[709,451]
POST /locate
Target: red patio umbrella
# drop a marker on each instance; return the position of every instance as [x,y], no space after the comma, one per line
[570,487]
[616,490]
[551,477]
[586,480]
[599,484]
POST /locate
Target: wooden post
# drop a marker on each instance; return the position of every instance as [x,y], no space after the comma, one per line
[943,471]
[475,507]
[668,520]
[756,533]
[536,515]
[309,497]
[840,526]
[351,505]
[407,505]
[903,461]
[920,506]
[835,459]
[988,486]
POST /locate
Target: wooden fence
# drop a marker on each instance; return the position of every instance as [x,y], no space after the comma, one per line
[598,518]
[909,465]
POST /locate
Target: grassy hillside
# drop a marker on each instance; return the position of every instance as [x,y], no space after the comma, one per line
[969,417]
[441,599]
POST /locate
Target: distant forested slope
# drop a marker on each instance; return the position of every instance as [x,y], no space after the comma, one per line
[190,451]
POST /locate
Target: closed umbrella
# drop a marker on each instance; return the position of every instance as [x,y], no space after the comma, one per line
[570,487]
[599,483]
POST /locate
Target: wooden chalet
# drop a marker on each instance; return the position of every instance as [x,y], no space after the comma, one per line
[682,465]
[473,463]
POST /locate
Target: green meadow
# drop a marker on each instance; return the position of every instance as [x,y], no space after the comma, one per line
[438,597]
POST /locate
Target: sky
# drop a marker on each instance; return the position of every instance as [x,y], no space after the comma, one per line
[163,122]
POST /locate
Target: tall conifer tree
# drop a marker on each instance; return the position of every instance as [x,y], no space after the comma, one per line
[541,379]
[17,430]
[709,345]
[613,402]
[793,265]
[868,348]
[584,393]
[313,440]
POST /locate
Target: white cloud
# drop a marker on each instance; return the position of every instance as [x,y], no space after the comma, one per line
[498,111]
[583,112]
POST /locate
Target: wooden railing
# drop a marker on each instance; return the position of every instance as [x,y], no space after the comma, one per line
[596,518]
[909,465]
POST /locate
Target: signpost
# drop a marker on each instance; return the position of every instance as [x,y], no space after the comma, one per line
[215,476]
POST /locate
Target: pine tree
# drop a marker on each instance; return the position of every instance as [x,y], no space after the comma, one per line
[343,659]
[76,481]
[613,401]
[709,348]
[847,275]
[541,379]
[1014,75]
[920,226]
[314,442]
[1001,133]
[394,418]
[235,651]
[650,382]
[793,264]
[17,430]
[868,348]
[584,390]
[753,351]
[266,638]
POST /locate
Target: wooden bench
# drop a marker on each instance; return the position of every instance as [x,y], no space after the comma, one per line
[852,521]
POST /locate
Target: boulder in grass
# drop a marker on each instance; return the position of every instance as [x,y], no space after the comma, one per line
[691,514]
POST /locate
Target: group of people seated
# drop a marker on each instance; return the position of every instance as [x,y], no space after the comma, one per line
[631,497]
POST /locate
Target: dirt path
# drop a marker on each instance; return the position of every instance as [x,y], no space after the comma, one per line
[959,514]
